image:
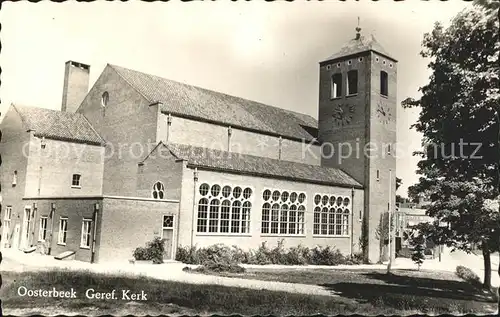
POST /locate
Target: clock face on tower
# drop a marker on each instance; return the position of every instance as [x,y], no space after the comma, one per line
[343,115]
[384,113]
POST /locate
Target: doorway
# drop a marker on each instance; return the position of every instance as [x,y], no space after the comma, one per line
[168,235]
[25,233]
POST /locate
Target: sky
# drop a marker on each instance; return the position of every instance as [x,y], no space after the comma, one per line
[263,51]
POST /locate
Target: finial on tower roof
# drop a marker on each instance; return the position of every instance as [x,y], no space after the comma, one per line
[358,30]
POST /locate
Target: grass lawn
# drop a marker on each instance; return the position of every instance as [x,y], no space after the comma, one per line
[164,297]
[404,290]
[367,293]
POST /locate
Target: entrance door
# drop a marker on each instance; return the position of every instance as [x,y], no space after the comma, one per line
[168,235]
[26,228]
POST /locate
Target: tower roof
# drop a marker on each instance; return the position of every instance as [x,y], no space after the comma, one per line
[359,44]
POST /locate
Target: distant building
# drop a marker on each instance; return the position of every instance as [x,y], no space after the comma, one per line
[139,156]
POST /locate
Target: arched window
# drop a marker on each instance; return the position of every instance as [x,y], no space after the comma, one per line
[213,224]
[224,209]
[286,214]
[158,190]
[331,215]
[202,215]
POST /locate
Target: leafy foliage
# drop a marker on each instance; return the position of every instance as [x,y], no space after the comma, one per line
[298,255]
[468,275]
[460,123]
[418,255]
[152,252]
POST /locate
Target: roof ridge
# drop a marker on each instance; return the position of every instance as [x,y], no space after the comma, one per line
[129,83]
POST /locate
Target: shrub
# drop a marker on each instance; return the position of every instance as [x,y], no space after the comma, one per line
[188,255]
[262,255]
[327,256]
[299,255]
[468,275]
[141,254]
[154,251]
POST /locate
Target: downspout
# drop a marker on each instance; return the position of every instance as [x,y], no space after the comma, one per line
[352,222]
[193,223]
[33,217]
[94,218]
[169,123]
[52,215]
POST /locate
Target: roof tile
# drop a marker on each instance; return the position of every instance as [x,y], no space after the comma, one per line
[260,166]
[58,125]
[186,100]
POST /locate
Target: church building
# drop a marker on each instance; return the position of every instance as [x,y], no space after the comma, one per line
[139,156]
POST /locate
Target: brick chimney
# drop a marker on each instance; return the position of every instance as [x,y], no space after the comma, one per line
[76,85]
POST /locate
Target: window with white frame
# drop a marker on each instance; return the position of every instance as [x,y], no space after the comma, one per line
[158,190]
[86,230]
[75,182]
[42,231]
[283,212]
[63,230]
[6,222]
[331,215]
[224,209]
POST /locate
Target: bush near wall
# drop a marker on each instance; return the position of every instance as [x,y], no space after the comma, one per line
[152,252]
[299,255]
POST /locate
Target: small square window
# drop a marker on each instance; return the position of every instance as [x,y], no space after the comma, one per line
[383,62]
[376,59]
[76,180]
[360,59]
[349,62]
[328,67]
[338,65]
[390,65]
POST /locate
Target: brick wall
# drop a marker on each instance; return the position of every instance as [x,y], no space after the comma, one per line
[75,210]
[127,124]
[50,170]
[216,136]
[128,224]
[255,238]
[14,158]
[366,131]
[160,166]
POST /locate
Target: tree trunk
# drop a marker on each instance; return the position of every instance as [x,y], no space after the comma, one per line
[487,266]
[498,291]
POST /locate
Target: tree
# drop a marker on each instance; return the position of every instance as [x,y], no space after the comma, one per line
[460,123]
[418,252]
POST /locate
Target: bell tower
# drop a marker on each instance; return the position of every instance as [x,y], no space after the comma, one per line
[357,127]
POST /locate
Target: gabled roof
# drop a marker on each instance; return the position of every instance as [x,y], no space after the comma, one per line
[212,159]
[359,45]
[207,105]
[58,125]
